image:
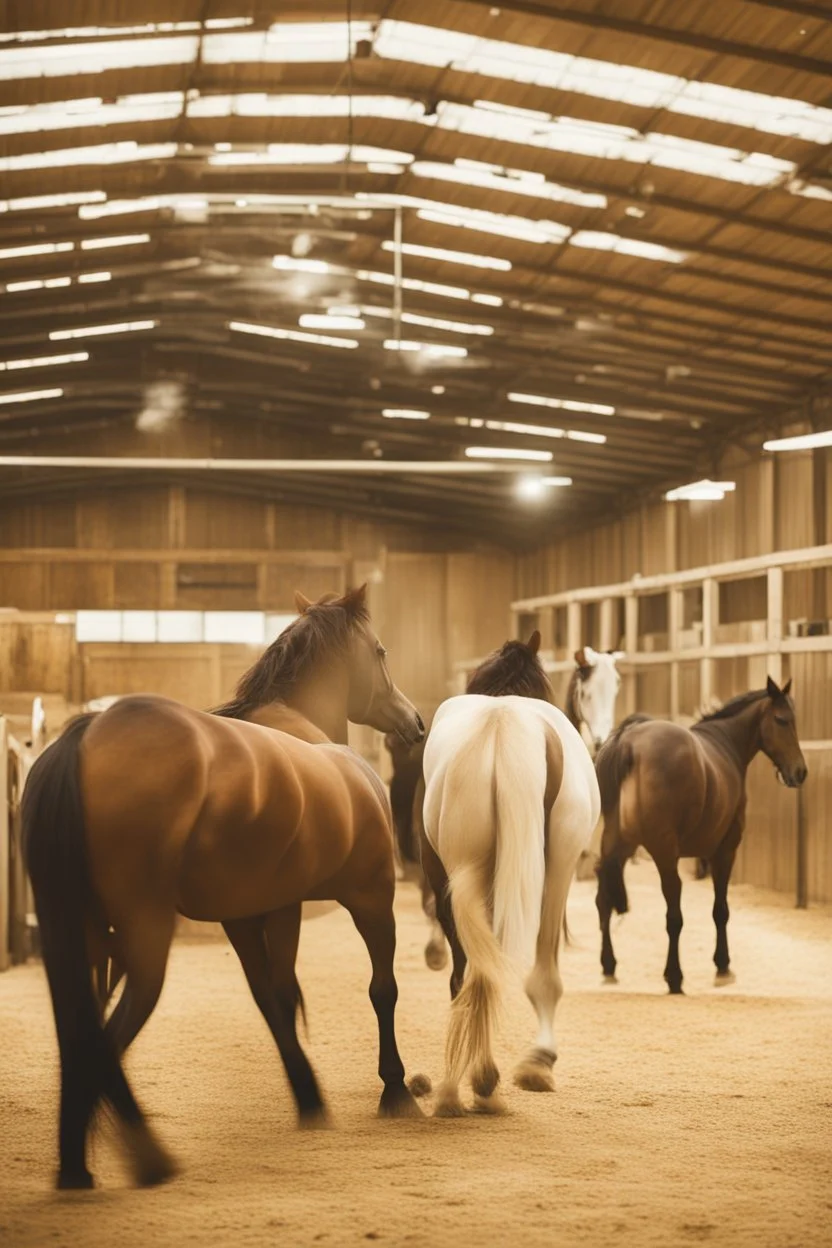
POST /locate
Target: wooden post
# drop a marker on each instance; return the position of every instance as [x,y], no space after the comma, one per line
[631,648]
[574,640]
[5,846]
[608,640]
[802,866]
[710,619]
[675,616]
[774,631]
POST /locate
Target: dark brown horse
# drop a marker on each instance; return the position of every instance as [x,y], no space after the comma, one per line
[151,808]
[680,792]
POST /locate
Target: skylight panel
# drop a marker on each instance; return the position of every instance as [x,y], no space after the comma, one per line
[101,154]
[451,257]
[259,104]
[65,199]
[496,223]
[65,114]
[513,181]
[34,249]
[59,59]
[116,240]
[30,396]
[292,335]
[310,154]
[600,241]
[287,42]
[45,361]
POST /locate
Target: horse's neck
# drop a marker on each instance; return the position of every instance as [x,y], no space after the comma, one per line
[739,733]
[322,699]
[287,719]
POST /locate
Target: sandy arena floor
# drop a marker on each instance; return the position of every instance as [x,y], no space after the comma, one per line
[700,1119]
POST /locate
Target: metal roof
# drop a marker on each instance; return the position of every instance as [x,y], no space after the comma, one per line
[641,193]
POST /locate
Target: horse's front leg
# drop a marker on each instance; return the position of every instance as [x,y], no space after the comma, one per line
[721,866]
[672,889]
[372,912]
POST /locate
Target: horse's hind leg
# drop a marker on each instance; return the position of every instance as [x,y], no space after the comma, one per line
[267,949]
[672,889]
[372,913]
[143,944]
[544,988]
[437,878]
[721,866]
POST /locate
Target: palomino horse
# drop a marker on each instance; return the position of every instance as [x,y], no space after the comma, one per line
[590,707]
[224,821]
[680,792]
[511,801]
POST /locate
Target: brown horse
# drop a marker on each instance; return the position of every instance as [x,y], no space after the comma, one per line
[224,821]
[680,792]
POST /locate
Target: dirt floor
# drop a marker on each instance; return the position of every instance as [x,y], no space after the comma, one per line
[698,1119]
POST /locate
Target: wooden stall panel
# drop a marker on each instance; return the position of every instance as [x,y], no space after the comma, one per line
[47,524]
[78,586]
[281,580]
[229,524]
[187,673]
[768,854]
[479,590]
[137,586]
[414,627]
[136,519]
[37,656]
[24,586]
[819,848]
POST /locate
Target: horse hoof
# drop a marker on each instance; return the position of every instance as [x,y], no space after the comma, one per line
[436,956]
[493,1104]
[152,1163]
[397,1102]
[316,1119]
[449,1106]
[532,1077]
[722,978]
[611,979]
[675,990]
[74,1181]
[420,1085]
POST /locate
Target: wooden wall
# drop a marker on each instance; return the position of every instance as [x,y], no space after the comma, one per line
[434,601]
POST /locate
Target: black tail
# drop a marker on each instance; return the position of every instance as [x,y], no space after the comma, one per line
[610,872]
[54,845]
[615,762]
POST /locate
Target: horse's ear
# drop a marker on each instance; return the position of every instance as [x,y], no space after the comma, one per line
[354,601]
[787,687]
[772,688]
[580,658]
[302,602]
[533,644]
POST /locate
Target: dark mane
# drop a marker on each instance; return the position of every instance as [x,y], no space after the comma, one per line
[324,628]
[734,706]
[513,669]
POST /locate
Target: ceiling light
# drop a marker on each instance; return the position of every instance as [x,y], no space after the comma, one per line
[531,488]
[437,389]
[34,249]
[430,322]
[569,405]
[600,241]
[512,181]
[30,396]
[294,264]
[101,154]
[117,240]
[33,203]
[293,335]
[800,442]
[92,331]
[497,452]
[311,321]
[45,361]
[87,278]
[497,223]
[452,257]
[405,413]
[704,491]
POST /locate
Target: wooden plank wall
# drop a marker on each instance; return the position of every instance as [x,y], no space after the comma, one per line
[434,601]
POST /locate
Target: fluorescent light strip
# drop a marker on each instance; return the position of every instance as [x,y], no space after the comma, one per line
[800,442]
[541,431]
[68,199]
[34,249]
[117,240]
[291,264]
[405,413]
[30,396]
[52,283]
[496,223]
[45,361]
[309,320]
[704,491]
[435,350]
[293,335]
[569,405]
[503,452]
[88,278]
[94,331]
[428,322]
[310,154]
[600,241]
[451,257]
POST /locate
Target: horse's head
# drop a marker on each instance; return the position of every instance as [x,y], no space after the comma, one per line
[596,688]
[514,669]
[372,697]
[778,735]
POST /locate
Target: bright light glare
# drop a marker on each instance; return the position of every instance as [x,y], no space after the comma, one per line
[498,452]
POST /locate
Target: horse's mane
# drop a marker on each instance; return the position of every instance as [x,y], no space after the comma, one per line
[511,670]
[571,708]
[734,706]
[323,628]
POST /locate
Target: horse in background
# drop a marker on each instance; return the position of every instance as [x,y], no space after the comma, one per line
[592,693]
[511,801]
[680,792]
[222,821]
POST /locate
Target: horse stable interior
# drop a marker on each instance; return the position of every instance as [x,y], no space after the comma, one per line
[518,313]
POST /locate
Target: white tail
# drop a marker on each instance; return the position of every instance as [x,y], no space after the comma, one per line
[495,788]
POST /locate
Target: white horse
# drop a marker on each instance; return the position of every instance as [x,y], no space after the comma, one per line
[511,802]
[591,696]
